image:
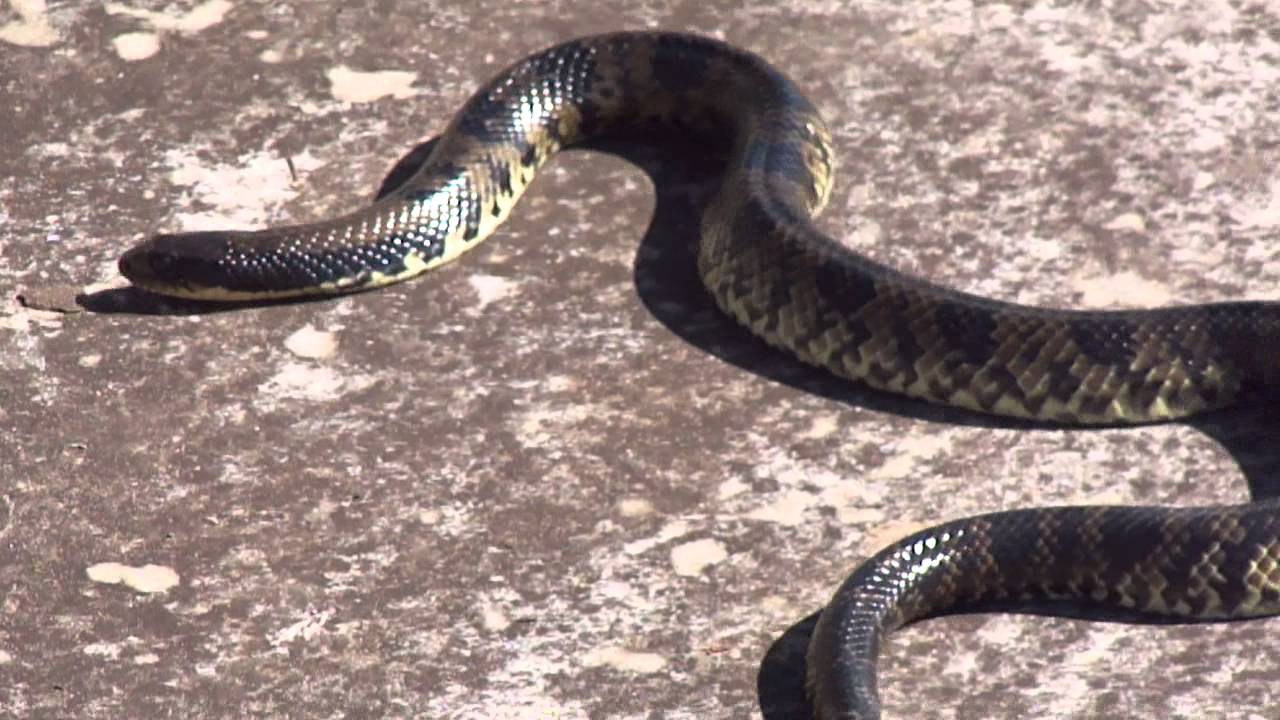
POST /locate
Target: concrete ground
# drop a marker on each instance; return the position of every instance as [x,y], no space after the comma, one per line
[550,481]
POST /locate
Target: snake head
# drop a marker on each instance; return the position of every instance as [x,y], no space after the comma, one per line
[186,265]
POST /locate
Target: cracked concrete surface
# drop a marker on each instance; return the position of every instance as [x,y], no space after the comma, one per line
[549,481]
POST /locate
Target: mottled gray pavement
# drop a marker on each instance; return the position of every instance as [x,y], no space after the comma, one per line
[549,481]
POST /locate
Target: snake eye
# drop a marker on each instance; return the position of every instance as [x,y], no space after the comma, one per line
[137,266]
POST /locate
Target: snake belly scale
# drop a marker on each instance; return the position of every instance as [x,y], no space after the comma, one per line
[767,266]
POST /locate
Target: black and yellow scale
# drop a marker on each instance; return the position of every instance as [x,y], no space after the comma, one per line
[766,265]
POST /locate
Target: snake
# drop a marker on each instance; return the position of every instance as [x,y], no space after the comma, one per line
[768,266]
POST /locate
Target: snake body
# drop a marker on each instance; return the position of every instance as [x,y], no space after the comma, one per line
[767,266]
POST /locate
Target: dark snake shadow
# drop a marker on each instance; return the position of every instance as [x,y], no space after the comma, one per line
[684,176]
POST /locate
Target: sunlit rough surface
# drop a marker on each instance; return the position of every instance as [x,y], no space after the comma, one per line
[537,454]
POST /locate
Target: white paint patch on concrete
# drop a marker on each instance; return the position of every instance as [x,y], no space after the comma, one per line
[963,662]
[201,17]
[494,619]
[308,342]
[46,150]
[1207,140]
[848,511]
[1101,649]
[32,28]
[1263,213]
[614,590]
[490,289]
[301,381]
[780,606]
[322,512]
[307,628]
[136,45]
[531,708]
[1130,222]
[355,86]
[548,424]
[911,452]
[1042,249]
[787,510]
[691,558]
[822,426]
[623,659]
[110,651]
[559,383]
[669,532]
[1203,181]
[305,382]
[1068,59]
[239,193]
[731,488]
[634,507]
[1209,255]
[1124,289]
[144,579]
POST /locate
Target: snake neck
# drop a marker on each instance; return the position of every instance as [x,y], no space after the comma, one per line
[580,91]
